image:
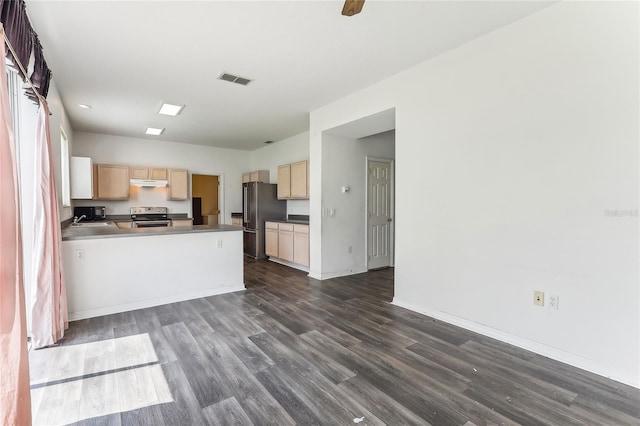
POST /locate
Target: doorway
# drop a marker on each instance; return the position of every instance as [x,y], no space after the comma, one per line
[380,210]
[205,206]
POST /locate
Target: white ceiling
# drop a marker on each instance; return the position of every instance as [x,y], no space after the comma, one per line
[124,58]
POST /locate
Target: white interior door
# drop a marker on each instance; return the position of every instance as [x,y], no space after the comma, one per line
[379,214]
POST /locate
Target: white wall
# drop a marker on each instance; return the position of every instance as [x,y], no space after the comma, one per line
[290,150]
[345,227]
[58,120]
[109,149]
[519,142]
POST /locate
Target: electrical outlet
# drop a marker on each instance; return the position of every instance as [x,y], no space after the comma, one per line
[219,243]
[80,254]
[538,298]
[553,301]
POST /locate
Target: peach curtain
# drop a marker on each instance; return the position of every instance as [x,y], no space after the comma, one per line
[49,316]
[15,397]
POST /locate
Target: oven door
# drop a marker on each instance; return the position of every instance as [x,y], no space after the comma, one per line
[151,223]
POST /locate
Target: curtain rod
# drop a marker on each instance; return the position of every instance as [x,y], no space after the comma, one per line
[26,76]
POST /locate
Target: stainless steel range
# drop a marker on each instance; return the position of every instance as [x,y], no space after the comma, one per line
[148,217]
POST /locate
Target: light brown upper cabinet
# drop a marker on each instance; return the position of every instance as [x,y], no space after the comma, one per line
[111,182]
[148,173]
[293,180]
[158,173]
[178,184]
[300,179]
[284,181]
[256,176]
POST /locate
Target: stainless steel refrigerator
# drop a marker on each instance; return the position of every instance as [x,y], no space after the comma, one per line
[259,203]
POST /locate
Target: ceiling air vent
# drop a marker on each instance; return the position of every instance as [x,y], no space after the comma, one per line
[234,79]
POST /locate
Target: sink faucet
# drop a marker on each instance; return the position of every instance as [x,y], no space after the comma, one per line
[77,219]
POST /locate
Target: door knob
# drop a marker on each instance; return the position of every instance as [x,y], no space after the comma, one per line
[389,219]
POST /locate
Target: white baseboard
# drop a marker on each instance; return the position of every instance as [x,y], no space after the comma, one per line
[289,264]
[336,274]
[74,316]
[541,349]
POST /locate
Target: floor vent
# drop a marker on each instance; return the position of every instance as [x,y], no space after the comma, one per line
[234,79]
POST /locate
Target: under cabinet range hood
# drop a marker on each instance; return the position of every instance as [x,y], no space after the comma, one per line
[148,183]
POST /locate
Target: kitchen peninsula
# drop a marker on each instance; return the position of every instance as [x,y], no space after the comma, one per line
[109,270]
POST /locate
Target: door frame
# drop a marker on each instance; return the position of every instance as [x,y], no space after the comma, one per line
[221,204]
[392,200]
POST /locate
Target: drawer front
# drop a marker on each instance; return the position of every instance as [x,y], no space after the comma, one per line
[271,225]
[301,229]
[285,227]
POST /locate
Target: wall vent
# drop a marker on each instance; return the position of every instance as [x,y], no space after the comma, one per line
[234,79]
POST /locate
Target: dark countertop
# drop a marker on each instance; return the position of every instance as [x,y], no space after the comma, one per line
[296,222]
[112,231]
[299,219]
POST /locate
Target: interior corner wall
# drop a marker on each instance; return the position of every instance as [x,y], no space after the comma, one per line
[344,223]
[519,153]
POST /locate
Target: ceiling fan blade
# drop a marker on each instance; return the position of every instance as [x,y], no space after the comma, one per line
[352,7]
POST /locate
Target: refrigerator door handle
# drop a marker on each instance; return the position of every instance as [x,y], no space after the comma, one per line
[245,205]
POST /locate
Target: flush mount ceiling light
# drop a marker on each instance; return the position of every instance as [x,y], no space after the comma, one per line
[154,131]
[170,109]
[234,79]
[84,106]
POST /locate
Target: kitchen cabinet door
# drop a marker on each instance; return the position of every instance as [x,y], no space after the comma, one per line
[271,239]
[81,174]
[285,242]
[178,184]
[156,173]
[300,180]
[112,182]
[301,244]
[284,181]
[139,173]
[181,222]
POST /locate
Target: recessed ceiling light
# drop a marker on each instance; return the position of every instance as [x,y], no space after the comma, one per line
[169,109]
[154,131]
[84,106]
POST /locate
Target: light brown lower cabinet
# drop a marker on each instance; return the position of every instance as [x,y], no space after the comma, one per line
[236,221]
[124,225]
[181,222]
[271,239]
[301,244]
[287,241]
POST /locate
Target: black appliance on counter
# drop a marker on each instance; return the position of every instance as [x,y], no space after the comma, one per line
[90,213]
[148,217]
[259,203]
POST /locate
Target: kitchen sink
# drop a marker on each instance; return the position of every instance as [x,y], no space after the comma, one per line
[92,224]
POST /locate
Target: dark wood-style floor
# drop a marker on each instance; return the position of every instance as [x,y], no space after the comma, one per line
[293,350]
